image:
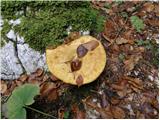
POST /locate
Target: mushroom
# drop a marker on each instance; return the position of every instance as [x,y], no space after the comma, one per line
[79,62]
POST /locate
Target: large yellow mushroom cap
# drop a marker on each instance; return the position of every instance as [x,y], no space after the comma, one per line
[59,61]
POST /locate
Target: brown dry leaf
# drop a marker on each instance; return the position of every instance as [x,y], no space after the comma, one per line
[109,30]
[38,72]
[128,35]
[131,62]
[10,87]
[91,45]
[108,39]
[46,87]
[148,6]
[49,91]
[104,101]
[76,65]
[3,87]
[120,86]
[117,87]
[52,95]
[18,83]
[79,80]
[115,101]
[72,36]
[156,9]
[152,22]
[78,114]
[33,81]
[31,77]
[23,77]
[118,112]
[104,112]
[45,78]
[135,82]
[121,40]
[81,51]
[53,78]
[115,49]
[60,113]
[122,93]
[155,104]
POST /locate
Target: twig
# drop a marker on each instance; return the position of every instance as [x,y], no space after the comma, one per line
[119,32]
[39,112]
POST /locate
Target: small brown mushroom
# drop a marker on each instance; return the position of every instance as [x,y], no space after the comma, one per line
[86,59]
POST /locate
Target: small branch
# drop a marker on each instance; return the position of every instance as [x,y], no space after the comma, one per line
[39,112]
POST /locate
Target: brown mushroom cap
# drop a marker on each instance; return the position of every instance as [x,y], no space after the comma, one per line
[92,63]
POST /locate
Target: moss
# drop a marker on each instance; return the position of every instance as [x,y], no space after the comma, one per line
[6,29]
[45,23]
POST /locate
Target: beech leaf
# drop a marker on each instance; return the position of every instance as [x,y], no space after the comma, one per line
[91,45]
[76,65]
[81,51]
[79,80]
[21,96]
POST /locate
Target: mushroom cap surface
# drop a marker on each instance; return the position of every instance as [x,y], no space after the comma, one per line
[92,64]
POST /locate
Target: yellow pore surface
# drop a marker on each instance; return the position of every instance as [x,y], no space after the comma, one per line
[93,62]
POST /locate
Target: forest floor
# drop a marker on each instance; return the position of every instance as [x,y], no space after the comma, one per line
[128,86]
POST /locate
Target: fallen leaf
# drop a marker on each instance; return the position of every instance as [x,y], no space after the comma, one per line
[46,87]
[118,112]
[79,80]
[23,77]
[115,101]
[48,90]
[105,113]
[45,78]
[18,83]
[76,65]
[10,87]
[110,30]
[152,22]
[117,87]
[91,45]
[53,78]
[61,113]
[39,72]
[31,77]
[33,81]
[52,95]
[72,36]
[131,62]
[3,87]
[122,93]
[148,6]
[81,51]
[135,82]
[120,41]
[77,113]
[104,101]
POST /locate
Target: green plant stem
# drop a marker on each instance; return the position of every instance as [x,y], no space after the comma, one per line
[39,111]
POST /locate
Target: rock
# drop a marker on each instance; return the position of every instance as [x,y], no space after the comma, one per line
[11,68]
